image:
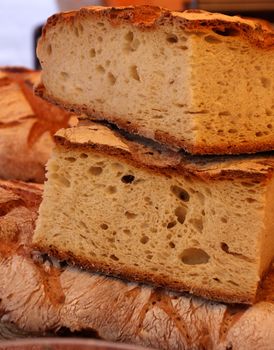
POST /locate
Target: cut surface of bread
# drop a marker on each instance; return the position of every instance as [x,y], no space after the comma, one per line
[41,295]
[124,208]
[194,80]
[27,124]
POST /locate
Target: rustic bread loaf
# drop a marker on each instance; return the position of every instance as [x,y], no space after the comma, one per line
[27,124]
[199,224]
[194,80]
[40,295]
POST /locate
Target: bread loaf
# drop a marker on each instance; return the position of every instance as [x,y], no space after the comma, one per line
[194,80]
[203,225]
[40,295]
[27,124]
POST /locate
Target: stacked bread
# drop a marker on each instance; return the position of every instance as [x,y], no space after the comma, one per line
[131,202]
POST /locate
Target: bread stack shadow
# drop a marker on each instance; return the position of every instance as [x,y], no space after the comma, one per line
[170,191]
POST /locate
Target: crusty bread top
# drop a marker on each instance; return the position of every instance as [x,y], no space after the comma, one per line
[146,153]
[147,17]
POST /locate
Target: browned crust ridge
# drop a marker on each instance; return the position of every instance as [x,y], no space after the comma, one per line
[134,275]
[148,17]
[178,165]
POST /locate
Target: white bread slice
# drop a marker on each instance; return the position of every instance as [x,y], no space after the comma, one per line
[199,224]
[194,80]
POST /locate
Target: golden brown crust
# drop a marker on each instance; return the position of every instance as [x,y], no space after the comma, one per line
[161,137]
[147,17]
[27,124]
[141,152]
[134,275]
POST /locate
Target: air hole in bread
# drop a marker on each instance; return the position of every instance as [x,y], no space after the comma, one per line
[64,75]
[134,73]
[180,212]
[172,245]
[194,256]
[198,224]
[129,36]
[104,226]
[117,166]
[148,200]
[251,200]
[111,78]
[233,283]
[114,257]
[225,247]
[92,53]
[158,117]
[76,32]
[70,159]
[212,39]
[269,126]
[100,69]
[100,39]
[216,279]
[232,131]
[224,219]
[100,24]
[111,189]
[259,134]
[49,49]
[224,114]
[172,38]
[265,82]
[130,215]
[95,170]
[62,180]
[83,155]
[154,269]
[149,257]
[171,224]
[81,28]
[227,32]
[127,179]
[144,239]
[127,232]
[184,47]
[180,193]
[135,44]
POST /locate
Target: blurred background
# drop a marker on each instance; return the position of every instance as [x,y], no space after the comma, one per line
[21,21]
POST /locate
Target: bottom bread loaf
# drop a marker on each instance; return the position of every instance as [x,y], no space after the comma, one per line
[40,295]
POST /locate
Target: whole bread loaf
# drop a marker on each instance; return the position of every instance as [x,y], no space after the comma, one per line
[27,124]
[194,80]
[137,210]
[41,295]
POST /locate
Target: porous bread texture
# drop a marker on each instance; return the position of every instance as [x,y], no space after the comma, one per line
[151,215]
[199,81]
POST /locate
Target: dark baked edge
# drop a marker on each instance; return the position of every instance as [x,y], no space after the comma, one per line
[148,17]
[133,275]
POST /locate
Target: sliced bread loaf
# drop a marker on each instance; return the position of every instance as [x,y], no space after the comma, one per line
[145,213]
[194,80]
[53,297]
